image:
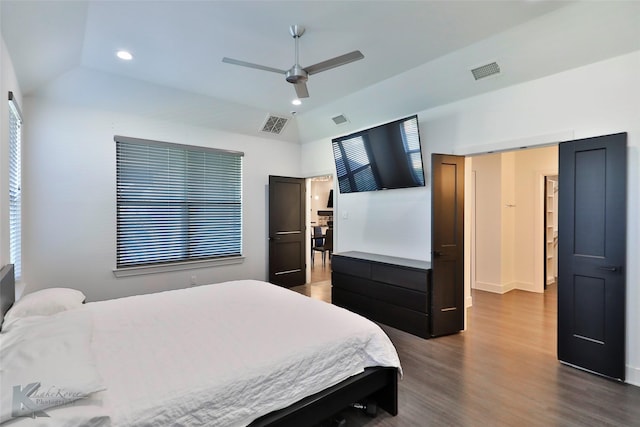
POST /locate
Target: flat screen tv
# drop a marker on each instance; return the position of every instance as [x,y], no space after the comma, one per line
[383,157]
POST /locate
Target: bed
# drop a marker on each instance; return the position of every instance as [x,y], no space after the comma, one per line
[234,354]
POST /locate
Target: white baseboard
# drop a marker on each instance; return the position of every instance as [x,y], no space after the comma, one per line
[505,287]
[632,375]
[523,286]
[496,288]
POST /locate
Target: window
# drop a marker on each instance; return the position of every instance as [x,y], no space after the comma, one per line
[176,203]
[15,187]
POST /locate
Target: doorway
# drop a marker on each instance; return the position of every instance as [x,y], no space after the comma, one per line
[320,221]
[508,223]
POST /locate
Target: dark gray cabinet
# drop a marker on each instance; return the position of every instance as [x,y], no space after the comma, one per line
[390,290]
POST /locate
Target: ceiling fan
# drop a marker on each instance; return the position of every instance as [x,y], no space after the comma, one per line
[298,75]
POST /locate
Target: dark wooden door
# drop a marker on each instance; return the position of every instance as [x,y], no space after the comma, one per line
[592,253]
[287,237]
[447,244]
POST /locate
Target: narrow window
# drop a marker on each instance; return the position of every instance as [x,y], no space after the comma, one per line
[15,186]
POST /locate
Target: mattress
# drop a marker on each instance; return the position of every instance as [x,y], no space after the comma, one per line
[218,355]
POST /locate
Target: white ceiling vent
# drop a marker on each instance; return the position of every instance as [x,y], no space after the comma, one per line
[274,124]
[486,70]
[340,119]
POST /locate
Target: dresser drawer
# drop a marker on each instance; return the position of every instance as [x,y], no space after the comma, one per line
[350,266]
[400,276]
[389,294]
[402,318]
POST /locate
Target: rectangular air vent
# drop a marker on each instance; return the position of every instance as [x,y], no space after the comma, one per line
[339,119]
[274,124]
[486,70]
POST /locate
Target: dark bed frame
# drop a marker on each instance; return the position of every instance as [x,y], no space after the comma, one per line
[7,290]
[378,384]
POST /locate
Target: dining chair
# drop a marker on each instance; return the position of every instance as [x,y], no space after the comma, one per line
[326,247]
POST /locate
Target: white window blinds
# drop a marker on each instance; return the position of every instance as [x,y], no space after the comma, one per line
[176,202]
[15,187]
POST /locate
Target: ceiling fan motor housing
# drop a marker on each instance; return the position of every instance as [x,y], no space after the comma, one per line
[297,74]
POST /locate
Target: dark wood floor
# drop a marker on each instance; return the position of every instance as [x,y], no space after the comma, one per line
[319,272]
[502,371]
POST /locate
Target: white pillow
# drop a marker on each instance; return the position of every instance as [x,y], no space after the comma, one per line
[51,355]
[45,303]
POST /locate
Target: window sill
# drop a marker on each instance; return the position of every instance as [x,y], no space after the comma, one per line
[178,266]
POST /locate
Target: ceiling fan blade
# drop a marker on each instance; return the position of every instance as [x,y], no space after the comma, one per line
[301,90]
[252,65]
[334,62]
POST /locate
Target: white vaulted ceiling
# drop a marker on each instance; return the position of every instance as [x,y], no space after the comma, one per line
[65,49]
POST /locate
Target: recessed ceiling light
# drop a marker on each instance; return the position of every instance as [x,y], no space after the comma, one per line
[123,54]
[296,102]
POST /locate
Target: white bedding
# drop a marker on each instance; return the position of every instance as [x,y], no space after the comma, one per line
[50,360]
[222,354]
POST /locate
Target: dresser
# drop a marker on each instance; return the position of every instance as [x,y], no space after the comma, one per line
[390,290]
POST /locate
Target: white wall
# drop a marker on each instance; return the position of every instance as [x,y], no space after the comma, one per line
[508,215]
[8,82]
[69,198]
[597,99]
[488,220]
[530,168]
[391,223]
